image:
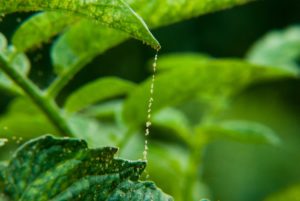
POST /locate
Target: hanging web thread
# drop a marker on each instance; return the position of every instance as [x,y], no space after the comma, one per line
[149,109]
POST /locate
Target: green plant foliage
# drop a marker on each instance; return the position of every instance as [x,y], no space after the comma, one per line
[68,56]
[182,60]
[230,77]
[164,12]
[36,173]
[278,48]
[242,131]
[24,119]
[192,95]
[156,13]
[171,120]
[85,127]
[106,88]
[40,28]
[291,193]
[106,110]
[171,171]
[19,61]
[114,13]
[152,12]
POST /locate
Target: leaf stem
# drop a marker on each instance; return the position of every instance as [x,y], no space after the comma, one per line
[48,106]
[62,80]
[193,172]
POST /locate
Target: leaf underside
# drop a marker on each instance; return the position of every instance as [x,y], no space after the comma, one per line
[66,53]
[113,13]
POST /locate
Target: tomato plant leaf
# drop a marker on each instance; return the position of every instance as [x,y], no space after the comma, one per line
[107,110]
[40,28]
[278,48]
[171,120]
[163,12]
[170,172]
[242,131]
[37,173]
[85,127]
[182,60]
[24,119]
[108,87]
[25,125]
[68,54]
[181,84]
[113,13]
[170,12]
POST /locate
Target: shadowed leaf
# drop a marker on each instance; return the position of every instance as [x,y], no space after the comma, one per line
[37,173]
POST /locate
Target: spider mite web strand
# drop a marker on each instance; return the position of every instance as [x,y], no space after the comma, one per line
[149,110]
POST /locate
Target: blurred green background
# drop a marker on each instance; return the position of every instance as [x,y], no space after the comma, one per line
[233,171]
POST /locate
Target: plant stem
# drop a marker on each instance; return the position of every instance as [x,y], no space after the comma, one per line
[192,174]
[196,148]
[48,106]
[62,80]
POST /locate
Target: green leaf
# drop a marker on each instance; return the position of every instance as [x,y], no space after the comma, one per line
[157,14]
[291,193]
[137,191]
[171,171]
[242,131]
[173,121]
[24,119]
[79,173]
[25,125]
[106,88]
[105,111]
[182,60]
[113,13]
[88,128]
[19,61]
[181,84]
[163,12]
[40,28]
[68,54]
[278,48]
